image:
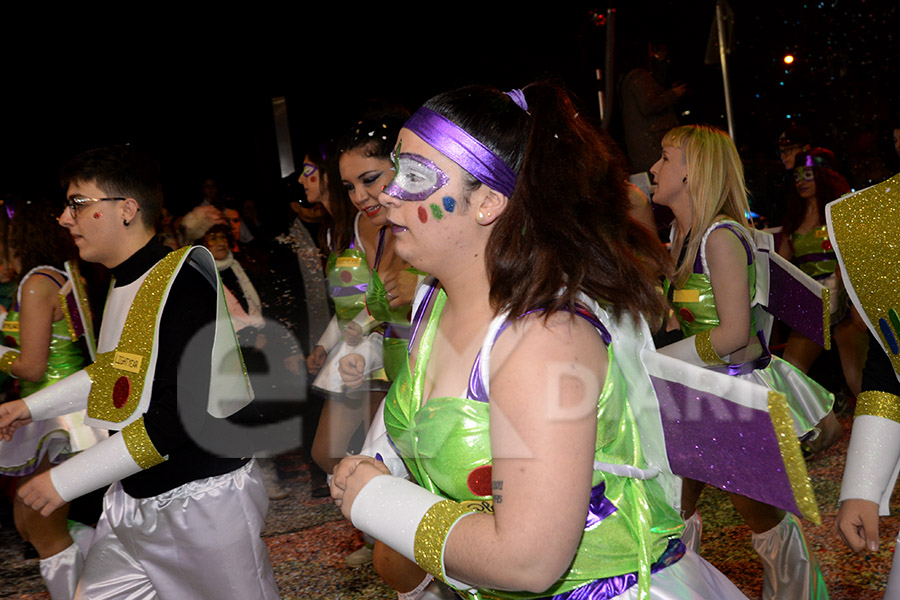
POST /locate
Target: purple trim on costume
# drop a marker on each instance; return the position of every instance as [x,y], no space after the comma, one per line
[747,367]
[458,145]
[348,290]
[477,390]
[711,439]
[698,262]
[610,587]
[75,313]
[420,312]
[802,304]
[379,248]
[600,506]
[400,332]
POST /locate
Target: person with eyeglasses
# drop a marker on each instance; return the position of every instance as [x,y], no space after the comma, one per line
[184,508]
[41,346]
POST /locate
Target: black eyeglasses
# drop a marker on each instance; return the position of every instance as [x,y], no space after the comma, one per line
[77,202]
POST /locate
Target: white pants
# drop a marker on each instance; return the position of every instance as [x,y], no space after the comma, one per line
[198,541]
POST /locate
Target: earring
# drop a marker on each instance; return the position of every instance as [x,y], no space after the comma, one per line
[489,214]
[125,223]
[480,216]
[684,180]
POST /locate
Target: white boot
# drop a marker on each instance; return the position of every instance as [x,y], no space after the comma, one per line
[790,571]
[62,571]
[892,592]
[693,527]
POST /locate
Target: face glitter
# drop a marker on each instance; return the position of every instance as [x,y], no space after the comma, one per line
[436,211]
[449,203]
[417,178]
[423,215]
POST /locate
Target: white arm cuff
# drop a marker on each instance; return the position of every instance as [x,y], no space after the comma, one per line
[331,336]
[98,466]
[389,509]
[873,459]
[62,398]
[686,350]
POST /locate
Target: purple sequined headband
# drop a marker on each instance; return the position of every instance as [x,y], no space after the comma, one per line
[458,145]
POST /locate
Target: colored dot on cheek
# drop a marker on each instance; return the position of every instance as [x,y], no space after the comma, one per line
[449,203]
[423,214]
[313,179]
[436,212]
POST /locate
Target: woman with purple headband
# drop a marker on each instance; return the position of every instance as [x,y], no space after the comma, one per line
[529,474]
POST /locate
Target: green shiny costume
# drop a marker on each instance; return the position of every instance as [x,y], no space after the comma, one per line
[64,359]
[379,307]
[814,245]
[345,271]
[695,317]
[808,401]
[447,439]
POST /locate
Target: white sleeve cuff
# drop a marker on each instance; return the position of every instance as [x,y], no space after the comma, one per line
[389,509]
[62,398]
[873,459]
[331,336]
[100,465]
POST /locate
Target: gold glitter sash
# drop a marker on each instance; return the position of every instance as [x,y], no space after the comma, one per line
[119,376]
[865,229]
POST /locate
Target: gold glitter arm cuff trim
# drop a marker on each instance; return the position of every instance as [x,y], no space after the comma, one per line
[6,361]
[794,465]
[410,519]
[705,349]
[876,404]
[139,445]
[432,532]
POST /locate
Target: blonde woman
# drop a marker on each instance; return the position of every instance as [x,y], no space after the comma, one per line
[700,178]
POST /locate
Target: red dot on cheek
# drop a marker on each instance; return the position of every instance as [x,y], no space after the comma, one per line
[97,215]
[313,179]
[423,215]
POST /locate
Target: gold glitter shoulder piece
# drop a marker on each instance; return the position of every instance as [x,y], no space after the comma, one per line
[119,376]
[865,231]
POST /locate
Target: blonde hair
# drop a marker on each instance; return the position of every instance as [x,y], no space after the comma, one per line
[715,182]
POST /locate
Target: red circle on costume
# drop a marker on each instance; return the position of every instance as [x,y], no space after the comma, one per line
[826,245]
[10,341]
[423,214]
[121,390]
[686,315]
[346,276]
[479,481]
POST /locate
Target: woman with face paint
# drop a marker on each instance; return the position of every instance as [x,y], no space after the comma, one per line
[700,177]
[806,243]
[358,371]
[41,347]
[510,414]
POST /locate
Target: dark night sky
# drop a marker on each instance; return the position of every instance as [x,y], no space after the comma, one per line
[196,91]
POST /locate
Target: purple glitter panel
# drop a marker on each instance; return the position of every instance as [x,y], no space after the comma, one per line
[724,444]
[794,303]
[350,290]
[600,506]
[77,325]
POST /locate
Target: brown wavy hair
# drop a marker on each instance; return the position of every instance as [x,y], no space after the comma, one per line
[34,235]
[566,227]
